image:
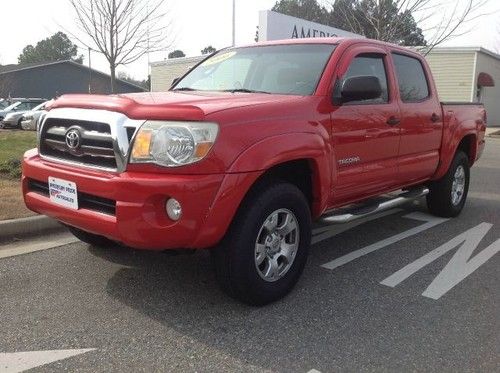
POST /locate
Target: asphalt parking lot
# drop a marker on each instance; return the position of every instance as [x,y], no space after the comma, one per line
[402,291]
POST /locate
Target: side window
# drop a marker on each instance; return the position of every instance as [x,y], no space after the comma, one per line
[411,78]
[369,65]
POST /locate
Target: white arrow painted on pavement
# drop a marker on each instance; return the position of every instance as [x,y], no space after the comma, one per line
[14,362]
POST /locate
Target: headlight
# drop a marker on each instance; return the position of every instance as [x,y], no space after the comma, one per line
[173,144]
[27,117]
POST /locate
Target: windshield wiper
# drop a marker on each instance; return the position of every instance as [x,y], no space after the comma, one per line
[187,89]
[245,90]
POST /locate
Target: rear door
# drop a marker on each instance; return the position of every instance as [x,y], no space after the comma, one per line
[421,120]
[364,135]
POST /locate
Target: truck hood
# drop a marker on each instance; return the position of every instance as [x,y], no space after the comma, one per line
[169,105]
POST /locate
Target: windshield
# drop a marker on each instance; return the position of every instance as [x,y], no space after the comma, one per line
[39,107]
[278,69]
[13,106]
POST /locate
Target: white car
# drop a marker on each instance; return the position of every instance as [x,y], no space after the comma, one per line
[30,119]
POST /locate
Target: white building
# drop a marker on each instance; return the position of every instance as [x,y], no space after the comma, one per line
[163,73]
[469,74]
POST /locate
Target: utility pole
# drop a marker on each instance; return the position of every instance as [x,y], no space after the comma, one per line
[90,74]
[234,23]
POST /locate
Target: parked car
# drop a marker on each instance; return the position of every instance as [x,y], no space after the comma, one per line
[11,115]
[250,147]
[30,119]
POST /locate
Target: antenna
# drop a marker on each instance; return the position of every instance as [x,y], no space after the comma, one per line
[234,23]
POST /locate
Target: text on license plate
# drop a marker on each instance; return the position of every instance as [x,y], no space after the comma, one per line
[63,192]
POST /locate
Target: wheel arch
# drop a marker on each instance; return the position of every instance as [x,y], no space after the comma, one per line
[303,159]
[467,143]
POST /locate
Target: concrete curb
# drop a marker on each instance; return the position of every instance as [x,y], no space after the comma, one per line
[27,226]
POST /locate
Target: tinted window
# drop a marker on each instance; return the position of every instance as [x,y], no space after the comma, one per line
[369,65]
[34,104]
[23,106]
[411,78]
[280,69]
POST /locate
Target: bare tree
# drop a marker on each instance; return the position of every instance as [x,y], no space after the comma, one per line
[439,20]
[123,30]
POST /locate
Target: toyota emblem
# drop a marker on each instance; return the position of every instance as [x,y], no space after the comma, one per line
[73,139]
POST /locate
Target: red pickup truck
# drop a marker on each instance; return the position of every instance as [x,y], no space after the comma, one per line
[249,148]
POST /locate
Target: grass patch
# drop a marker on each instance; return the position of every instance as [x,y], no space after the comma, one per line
[13,144]
[12,204]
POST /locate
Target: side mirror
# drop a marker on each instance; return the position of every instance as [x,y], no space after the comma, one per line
[359,88]
[175,81]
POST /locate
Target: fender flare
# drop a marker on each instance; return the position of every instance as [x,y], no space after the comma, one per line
[279,149]
[452,137]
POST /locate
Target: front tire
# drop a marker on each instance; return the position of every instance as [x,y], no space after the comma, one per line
[265,250]
[447,196]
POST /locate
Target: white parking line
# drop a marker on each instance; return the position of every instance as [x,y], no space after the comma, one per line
[36,244]
[431,221]
[14,362]
[486,196]
[329,231]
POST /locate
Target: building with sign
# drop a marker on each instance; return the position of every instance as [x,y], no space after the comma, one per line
[277,26]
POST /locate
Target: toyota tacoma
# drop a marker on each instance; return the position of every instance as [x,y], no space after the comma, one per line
[249,148]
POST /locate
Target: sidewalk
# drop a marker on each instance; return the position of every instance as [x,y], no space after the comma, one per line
[25,227]
[490,130]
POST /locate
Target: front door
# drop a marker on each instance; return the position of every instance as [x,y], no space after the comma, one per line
[365,134]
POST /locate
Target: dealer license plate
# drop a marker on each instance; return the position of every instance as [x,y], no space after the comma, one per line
[63,192]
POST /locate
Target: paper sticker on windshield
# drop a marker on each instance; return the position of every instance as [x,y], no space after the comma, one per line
[218,59]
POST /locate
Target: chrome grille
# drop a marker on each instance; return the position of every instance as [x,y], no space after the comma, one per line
[95,147]
[88,138]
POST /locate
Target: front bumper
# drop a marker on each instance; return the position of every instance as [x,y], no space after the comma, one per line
[10,123]
[28,125]
[139,219]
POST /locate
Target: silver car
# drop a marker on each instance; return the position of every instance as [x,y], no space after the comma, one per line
[11,115]
[30,119]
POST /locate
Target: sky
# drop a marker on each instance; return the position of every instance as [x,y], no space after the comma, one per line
[195,25]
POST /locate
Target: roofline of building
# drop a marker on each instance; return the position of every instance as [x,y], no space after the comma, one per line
[465,50]
[75,64]
[178,61]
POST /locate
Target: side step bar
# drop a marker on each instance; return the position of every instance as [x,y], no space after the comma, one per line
[347,214]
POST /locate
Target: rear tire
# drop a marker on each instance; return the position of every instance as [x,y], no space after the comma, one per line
[90,238]
[447,196]
[265,250]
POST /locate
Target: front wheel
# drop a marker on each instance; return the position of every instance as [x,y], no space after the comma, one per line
[447,196]
[265,250]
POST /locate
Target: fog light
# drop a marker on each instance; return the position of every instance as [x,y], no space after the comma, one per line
[174,209]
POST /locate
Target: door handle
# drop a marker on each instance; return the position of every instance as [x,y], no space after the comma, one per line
[393,121]
[434,118]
